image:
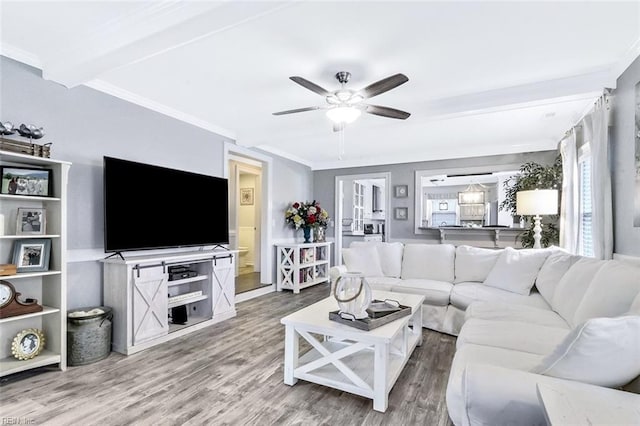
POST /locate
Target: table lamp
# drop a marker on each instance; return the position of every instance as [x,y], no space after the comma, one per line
[535,203]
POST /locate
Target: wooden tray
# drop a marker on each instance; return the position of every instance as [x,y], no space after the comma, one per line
[28,148]
[371,323]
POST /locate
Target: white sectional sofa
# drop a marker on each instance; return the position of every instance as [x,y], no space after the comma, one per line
[523,318]
[449,277]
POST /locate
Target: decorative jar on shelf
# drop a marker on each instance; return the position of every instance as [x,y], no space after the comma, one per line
[319,236]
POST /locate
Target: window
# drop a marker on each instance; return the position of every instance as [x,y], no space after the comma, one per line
[585,239]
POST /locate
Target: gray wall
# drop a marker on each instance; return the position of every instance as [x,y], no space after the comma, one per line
[626,237]
[404,174]
[85,124]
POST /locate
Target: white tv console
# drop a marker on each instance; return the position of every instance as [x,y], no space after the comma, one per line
[141,295]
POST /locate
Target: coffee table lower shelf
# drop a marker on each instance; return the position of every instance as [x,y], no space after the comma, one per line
[362,364]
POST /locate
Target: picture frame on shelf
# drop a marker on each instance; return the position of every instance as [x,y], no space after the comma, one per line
[246,196]
[401,191]
[32,255]
[29,181]
[28,344]
[31,221]
[401,213]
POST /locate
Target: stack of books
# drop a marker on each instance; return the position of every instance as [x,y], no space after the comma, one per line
[8,269]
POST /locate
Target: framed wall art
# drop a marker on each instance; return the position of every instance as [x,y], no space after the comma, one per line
[32,255]
[401,191]
[31,221]
[246,196]
[401,213]
[25,181]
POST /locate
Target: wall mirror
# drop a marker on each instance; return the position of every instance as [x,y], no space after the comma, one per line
[468,197]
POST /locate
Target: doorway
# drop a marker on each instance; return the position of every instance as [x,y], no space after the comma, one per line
[362,210]
[249,216]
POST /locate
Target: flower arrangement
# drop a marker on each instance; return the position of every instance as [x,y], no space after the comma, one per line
[306,215]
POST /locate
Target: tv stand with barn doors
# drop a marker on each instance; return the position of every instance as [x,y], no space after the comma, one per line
[144,292]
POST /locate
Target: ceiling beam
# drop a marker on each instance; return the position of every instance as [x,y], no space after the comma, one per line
[148,31]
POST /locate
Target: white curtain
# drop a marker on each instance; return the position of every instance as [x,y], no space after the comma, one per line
[569,207]
[596,128]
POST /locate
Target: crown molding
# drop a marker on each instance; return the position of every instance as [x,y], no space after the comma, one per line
[20,55]
[158,107]
[284,154]
[630,55]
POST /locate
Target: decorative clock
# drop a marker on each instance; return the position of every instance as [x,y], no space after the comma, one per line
[10,305]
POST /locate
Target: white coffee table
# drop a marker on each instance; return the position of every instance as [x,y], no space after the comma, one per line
[365,363]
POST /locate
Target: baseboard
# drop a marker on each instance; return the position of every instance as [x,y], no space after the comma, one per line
[248,295]
[627,258]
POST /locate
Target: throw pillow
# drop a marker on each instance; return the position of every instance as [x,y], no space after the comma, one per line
[474,263]
[572,287]
[601,351]
[611,291]
[364,259]
[516,270]
[428,261]
[552,271]
[390,256]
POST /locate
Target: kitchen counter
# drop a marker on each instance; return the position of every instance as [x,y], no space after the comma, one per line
[481,236]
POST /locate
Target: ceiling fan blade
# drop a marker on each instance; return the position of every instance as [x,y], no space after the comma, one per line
[387,112]
[311,86]
[291,111]
[383,85]
[337,127]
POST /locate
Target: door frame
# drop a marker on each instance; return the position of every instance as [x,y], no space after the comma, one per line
[237,153]
[338,211]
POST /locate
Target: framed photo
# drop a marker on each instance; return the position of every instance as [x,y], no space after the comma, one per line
[401,213]
[27,344]
[32,255]
[31,221]
[246,196]
[25,181]
[401,191]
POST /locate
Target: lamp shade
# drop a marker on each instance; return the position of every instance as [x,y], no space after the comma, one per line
[343,114]
[537,202]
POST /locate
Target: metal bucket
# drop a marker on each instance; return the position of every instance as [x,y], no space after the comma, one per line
[88,335]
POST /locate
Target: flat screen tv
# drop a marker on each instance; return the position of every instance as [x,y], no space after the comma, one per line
[152,207]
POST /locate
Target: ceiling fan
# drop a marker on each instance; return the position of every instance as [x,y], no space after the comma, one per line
[345,105]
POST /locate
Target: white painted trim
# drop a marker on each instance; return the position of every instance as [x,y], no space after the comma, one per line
[266,224]
[112,90]
[246,160]
[630,55]
[287,155]
[337,213]
[248,295]
[20,55]
[445,153]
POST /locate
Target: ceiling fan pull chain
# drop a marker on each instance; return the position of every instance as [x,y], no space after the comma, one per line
[341,143]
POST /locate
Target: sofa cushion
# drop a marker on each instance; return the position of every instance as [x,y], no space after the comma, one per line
[635,306]
[390,256]
[383,283]
[435,292]
[428,261]
[478,354]
[611,291]
[552,271]
[502,311]
[516,270]
[573,286]
[474,263]
[364,259]
[463,294]
[519,336]
[601,351]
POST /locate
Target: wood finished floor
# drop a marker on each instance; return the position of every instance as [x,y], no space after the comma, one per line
[227,374]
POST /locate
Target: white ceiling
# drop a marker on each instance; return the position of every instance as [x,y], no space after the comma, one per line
[484,77]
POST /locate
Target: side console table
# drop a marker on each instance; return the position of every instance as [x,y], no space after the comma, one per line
[303,265]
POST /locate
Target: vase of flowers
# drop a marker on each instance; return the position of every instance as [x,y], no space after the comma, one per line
[307,216]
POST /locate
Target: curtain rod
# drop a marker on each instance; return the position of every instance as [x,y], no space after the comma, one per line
[605,95]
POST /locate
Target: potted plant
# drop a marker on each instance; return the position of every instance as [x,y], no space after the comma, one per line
[535,176]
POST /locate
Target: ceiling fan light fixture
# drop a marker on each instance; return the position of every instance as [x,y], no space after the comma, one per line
[343,95]
[343,114]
